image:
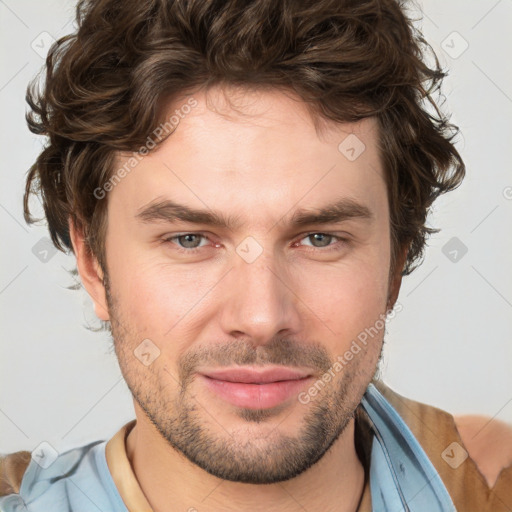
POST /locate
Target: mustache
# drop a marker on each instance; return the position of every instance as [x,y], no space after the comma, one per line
[279,351]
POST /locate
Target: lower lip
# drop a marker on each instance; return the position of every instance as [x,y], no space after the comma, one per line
[256,396]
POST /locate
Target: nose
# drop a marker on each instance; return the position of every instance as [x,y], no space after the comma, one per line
[260,302]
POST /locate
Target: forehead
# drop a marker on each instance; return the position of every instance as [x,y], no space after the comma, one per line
[258,115]
[242,149]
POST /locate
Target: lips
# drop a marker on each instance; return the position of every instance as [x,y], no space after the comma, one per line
[255,388]
[256,376]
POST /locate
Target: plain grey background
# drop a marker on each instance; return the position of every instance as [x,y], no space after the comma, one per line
[450,346]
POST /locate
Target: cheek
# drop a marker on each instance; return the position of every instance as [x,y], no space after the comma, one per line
[355,306]
[346,300]
[158,300]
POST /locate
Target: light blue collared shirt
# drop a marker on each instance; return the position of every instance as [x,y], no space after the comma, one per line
[402,478]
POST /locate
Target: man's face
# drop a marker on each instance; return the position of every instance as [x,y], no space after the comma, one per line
[263,294]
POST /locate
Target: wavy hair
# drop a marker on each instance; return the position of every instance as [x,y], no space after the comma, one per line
[347,59]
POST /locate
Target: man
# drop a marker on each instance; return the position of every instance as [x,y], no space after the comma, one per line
[243,186]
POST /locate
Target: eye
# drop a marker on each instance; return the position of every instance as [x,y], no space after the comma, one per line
[321,240]
[191,242]
[187,242]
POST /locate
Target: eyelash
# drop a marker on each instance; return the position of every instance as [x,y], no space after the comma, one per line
[330,247]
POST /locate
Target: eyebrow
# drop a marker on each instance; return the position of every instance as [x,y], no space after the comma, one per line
[170,211]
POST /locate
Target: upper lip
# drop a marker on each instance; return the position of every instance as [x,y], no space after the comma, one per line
[256,375]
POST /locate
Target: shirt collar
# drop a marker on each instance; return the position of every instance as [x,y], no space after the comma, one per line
[122,473]
[402,478]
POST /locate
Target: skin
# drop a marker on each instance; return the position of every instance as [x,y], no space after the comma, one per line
[301,303]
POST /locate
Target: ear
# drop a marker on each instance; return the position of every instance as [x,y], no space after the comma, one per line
[395,280]
[90,272]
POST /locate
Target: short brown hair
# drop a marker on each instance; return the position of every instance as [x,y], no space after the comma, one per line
[347,59]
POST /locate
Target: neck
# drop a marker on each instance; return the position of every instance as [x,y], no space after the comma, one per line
[166,477]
